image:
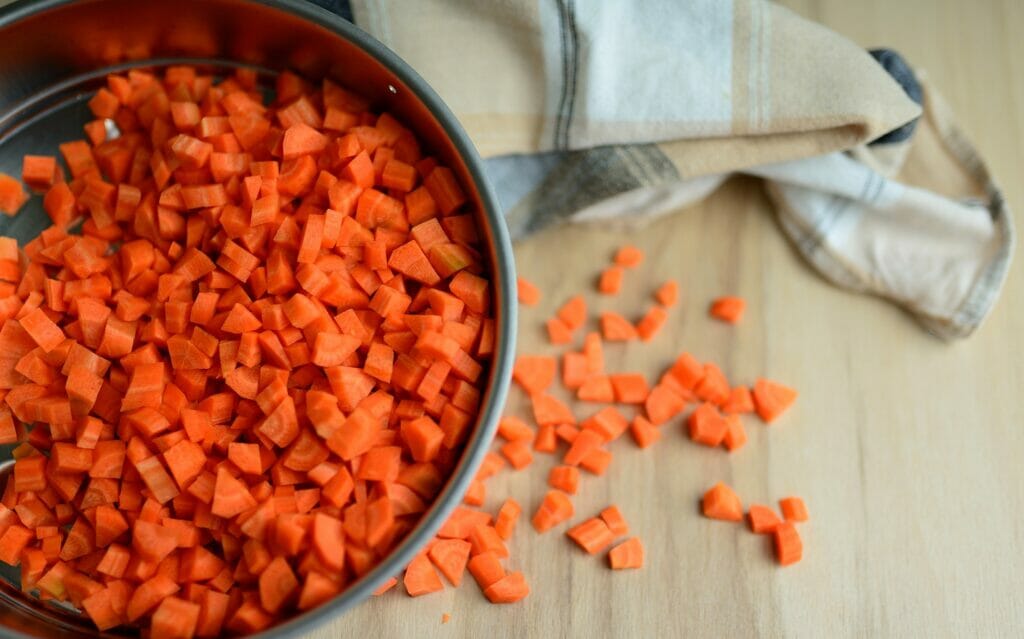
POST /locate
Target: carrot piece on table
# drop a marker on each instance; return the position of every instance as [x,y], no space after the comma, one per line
[667,294]
[509,589]
[514,429]
[528,293]
[574,370]
[608,422]
[546,440]
[506,519]
[707,426]
[610,282]
[687,371]
[558,331]
[486,569]
[584,443]
[629,256]
[720,502]
[534,372]
[550,410]
[616,522]
[630,388]
[596,389]
[793,509]
[596,461]
[772,399]
[735,434]
[728,309]
[574,312]
[592,535]
[713,387]
[739,401]
[553,510]
[485,538]
[564,478]
[645,434]
[421,578]
[450,556]
[518,454]
[789,548]
[662,404]
[615,328]
[628,554]
[651,323]
[762,519]
[386,586]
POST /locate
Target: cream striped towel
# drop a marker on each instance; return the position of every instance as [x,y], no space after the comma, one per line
[619,110]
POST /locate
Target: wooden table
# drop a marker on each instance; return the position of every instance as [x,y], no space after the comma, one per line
[908,451]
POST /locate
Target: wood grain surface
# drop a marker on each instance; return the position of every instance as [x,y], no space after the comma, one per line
[909,452]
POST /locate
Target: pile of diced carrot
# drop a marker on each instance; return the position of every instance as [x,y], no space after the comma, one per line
[246,373]
[583,443]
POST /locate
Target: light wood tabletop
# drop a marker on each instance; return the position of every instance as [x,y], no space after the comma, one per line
[908,451]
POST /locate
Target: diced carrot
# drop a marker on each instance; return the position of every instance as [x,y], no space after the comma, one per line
[651,323]
[662,404]
[592,535]
[762,519]
[509,589]
[596,389]
[528,293]
[450,557]
[420,577]
[629,256]
[788,546]
[610,282]
[486,569]
[616,328]
[558,331]
[12,195]
[735,434]
[713,386]
[793,509]
[573,313]
[534,372]
[644,432]
[728,309]
[518,454]
[772,399]
[553,510]
[505,522]
[175,618]
[707,426]
[630,388]
[548,409]
[739,401]
[277,585]
[564,478]
[720,502]
[628,554]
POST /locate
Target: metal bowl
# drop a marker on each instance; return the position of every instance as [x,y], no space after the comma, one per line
[55,53]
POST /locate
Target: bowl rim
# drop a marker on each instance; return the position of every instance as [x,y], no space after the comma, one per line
[502,280]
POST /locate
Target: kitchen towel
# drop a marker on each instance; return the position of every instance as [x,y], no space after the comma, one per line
[615,111]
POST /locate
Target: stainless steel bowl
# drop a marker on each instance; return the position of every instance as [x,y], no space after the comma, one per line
[54,53]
